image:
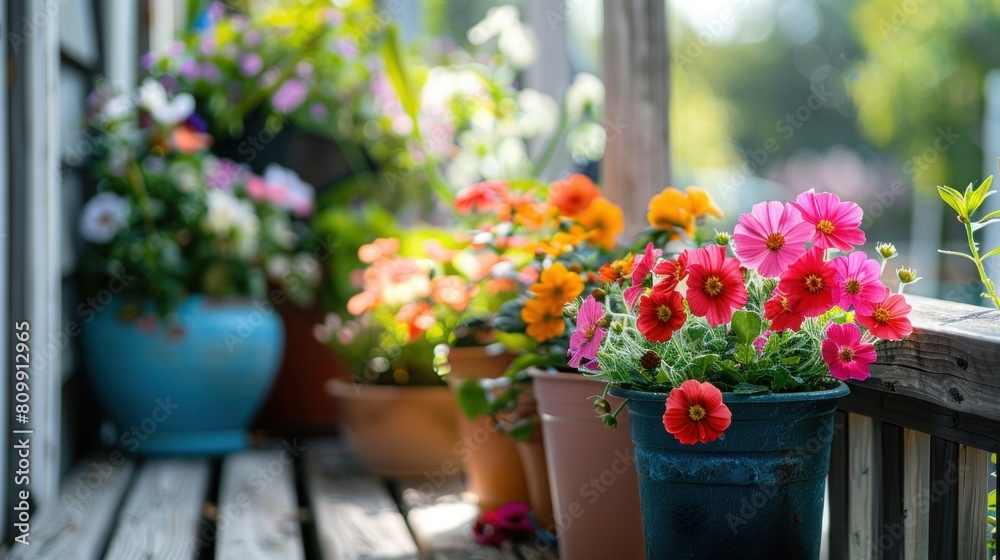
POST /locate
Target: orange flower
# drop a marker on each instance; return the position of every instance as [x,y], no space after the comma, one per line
[617,271]
[605,220]
[557,285]
[671,209]
[544,320]
[188,141]
[381,247]
[418,317]
[532,215]
[573,194]
[702,203]
[452,291]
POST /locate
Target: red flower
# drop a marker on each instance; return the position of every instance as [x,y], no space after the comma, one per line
[642,265]
[695,413]
[485,196]
[672,271]
[888,319]
[661,313]
[715,284]
[509,521]
[781,314]
[847,356]
[810,284]
[573,194]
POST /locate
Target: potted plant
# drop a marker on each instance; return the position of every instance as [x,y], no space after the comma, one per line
[418,297]
[290,84]
[185,241]
[731,367]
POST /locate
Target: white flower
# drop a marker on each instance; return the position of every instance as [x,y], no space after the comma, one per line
[298,195]
[539,113]
[103,217]
[517,45]
[585,95]
[497,19]
[234,219]
[586,142]
[512,157]
[166,112]
[115,109]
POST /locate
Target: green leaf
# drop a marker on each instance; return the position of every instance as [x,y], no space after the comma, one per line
[784,380]
[396,68]
[522,430]
[992,502]
[954,199]
[748,389]
[472,399]
[746,325]
[943,252]
[975,199]
[991,216]
[745,353]
[516,341]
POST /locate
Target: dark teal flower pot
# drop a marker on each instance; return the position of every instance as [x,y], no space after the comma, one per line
[189,385]
[755,493]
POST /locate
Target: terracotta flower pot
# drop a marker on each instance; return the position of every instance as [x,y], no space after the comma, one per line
[595,490]
[493,470]
[298,401]
[532,453]
[400,432]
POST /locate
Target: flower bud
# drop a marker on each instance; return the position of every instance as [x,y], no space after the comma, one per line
[602,406]
[723,238]
[575,267]
[570,309]
[618,327]
[887,250]
[650,360]
[598,294]
[907,275]
[602,322]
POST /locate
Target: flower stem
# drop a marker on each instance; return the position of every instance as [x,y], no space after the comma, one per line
[550,148]
[991,291]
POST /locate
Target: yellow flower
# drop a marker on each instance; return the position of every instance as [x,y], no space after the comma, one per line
[605,220]
[702,203]
[557,285]
[671,209]
[544,320]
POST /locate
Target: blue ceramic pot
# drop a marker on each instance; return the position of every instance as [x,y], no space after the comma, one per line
[189,385]
[755,493]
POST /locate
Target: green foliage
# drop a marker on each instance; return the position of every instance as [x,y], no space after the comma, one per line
[966,204]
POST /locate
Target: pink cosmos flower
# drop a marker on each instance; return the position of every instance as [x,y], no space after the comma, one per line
[587,337]
[845,353]
[809,284]
[641,268]
[837,224]
[889,318]
[770,237]
[715,284]
[858,281]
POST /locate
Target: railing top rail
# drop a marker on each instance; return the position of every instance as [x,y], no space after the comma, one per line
[952,359]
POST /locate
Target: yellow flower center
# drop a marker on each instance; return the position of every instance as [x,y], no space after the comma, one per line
[775,241]
[846,355]
[663,313]
[882,315]
[589,332]
[696,412]
[814,284]
[852,286]
[825,226]
[713,286]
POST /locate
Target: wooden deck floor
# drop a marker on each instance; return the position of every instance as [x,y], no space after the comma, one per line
[292,500]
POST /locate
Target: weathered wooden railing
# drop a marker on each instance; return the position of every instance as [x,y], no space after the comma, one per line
[910,459]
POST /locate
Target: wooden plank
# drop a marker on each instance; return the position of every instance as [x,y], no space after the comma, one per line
[861,498]
[838,489]
[972,495]
[441,521]
[355,516]
[943,515]
[258,515]
[949,360]
[916,493]
[636,52]
[891,529]
[77,525]
[162,512]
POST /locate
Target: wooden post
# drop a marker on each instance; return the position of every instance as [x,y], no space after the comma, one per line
[636,77]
